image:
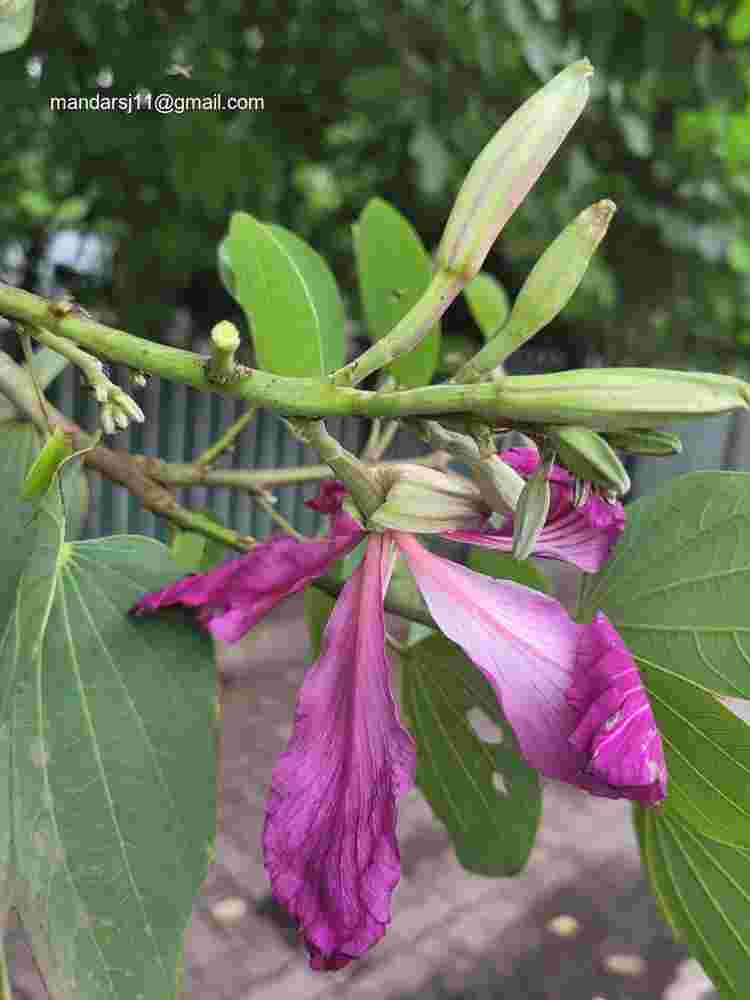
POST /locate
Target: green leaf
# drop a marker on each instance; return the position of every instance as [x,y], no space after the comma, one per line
[738,255]
[106,738]
[488,303]
[702,888]
[16,22]
[738,26]
[289,296]
[707,750]
[483,791]
[502,566]
[394,270]
[224,265]
[677,587]
[19,445]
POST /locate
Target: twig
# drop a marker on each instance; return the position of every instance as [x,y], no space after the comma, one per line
[226,440]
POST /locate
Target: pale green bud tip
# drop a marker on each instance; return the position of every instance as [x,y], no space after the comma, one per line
[509,166]
[597,218]
[225,336]
[428,501]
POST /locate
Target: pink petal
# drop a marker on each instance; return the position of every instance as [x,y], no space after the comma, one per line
[616,728]
[330,834]
[234,597]
[522,641]
[584,536]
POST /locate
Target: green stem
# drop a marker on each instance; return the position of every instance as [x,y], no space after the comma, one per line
[408,332]
[599,398]
[265,504]
[188,474]
[363,484]
[227,439]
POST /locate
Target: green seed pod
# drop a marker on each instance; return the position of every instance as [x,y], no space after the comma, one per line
[588,456]
[645,442]
[45,466]
[531,512]
[508,167]
[615,399]
[548,288]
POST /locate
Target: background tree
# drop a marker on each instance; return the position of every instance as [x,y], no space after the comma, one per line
[394,99]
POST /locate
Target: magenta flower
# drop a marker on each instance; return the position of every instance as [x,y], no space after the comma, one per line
[233,598]
[615,727]
[330,834]
[571,693]
[584,536]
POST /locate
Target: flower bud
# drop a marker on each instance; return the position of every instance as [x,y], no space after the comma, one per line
[645,442]
[614,399]
[508,167]
[548,288]
[588,456]
[531,511]
[500,485]
[45,466]
[423,500]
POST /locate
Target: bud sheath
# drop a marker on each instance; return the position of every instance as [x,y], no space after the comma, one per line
[588,456]
[508,167]
[548,288]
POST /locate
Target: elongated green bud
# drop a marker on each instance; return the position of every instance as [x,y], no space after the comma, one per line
[531,511]
[44,468]
[508,167]
[428,501]
[548,288]
[588,456]
[613,399]
[655,443]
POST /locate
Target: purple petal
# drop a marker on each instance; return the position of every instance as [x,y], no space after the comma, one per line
[584,536]
[523,642]
[234,597]
[616,728]
[330,835]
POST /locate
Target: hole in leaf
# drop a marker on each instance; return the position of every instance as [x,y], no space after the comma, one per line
[483,727]
[498,782]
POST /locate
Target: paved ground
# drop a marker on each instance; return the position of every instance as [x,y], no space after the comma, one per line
[454,935]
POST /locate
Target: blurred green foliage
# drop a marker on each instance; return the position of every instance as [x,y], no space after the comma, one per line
[395,99]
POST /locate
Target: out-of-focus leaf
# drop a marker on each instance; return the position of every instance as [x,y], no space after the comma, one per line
[16,22]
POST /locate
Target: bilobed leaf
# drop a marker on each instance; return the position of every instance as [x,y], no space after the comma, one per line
[484,793]
[677,587]
[16,21]
[707,751]
[502,566]
[106,740]
[702,887]
[394,270]
[20,443]
[289,297]
[488,304]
